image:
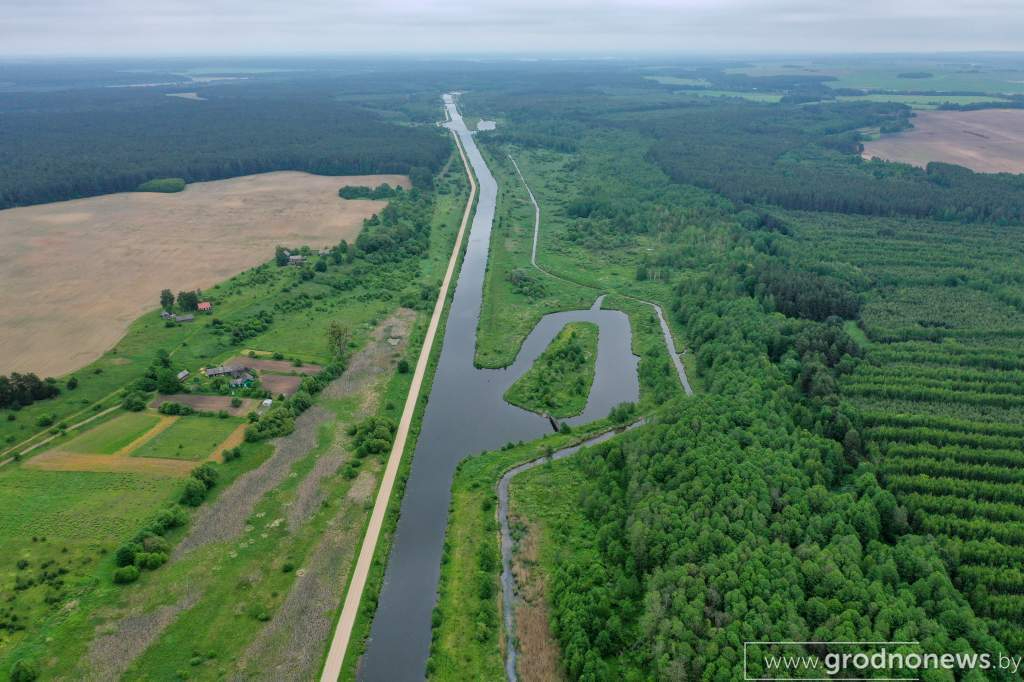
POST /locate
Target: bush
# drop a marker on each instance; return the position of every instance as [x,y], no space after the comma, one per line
[193,493]
[126,574]
[232,454]
[372,436]
[125,555]
[72,383]
[134,402]
[150,560]
[24,671]
[236,402]
[403,366]
[206,474]
[175,408]
[45,420]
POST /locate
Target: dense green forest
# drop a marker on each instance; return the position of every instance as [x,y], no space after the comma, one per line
[64,149]
[849,472]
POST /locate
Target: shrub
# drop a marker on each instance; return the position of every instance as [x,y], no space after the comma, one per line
[125,555]
[206,474]
[175,408]
[24,671]
[134,402]
[72,383]
[150,560]
[236,402]
[372,436]
[232,454]
[193,493]
[403,366]
[126,574]
[45,420]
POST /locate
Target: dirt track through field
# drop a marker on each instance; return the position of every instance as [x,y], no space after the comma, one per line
[987,141]
[75,274]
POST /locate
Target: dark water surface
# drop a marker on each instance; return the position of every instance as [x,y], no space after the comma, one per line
[466,415]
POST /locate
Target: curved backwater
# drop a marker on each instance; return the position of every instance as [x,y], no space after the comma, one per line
[466,415]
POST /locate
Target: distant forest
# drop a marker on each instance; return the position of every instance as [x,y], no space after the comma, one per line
[80,144]
[800,158]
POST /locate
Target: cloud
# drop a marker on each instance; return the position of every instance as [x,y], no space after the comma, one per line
[106,27]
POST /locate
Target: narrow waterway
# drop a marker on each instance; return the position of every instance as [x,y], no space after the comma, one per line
[466,415]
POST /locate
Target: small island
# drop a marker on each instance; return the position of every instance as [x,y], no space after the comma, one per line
[559,382]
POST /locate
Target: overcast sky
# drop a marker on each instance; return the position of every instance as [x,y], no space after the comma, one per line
[164,27]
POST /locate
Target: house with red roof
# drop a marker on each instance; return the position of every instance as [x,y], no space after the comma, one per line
[205,307]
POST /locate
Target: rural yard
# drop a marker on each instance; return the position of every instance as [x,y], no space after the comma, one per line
[77,273]
[987,141]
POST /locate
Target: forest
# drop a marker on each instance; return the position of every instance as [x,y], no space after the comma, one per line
[848,472]
[133,140]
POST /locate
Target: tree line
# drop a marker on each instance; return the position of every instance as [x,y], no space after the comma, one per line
[46,158]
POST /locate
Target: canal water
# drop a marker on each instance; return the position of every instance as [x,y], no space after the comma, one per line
[466,415]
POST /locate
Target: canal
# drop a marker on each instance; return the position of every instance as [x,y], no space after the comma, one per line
[465,415]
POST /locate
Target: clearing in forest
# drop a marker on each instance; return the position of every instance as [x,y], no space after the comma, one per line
[987,141]
[76,273]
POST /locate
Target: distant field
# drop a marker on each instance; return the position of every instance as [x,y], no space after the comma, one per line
[924,101]
[76,273]
[752,96]
[943,77]
[675,80]
[989,141]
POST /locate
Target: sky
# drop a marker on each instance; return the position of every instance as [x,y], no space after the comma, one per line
[104,28]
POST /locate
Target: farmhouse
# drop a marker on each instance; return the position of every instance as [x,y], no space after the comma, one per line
[232,370]
[205,307]
[182,375]
[166,314]
[296,260]
[242,380]
[183,318]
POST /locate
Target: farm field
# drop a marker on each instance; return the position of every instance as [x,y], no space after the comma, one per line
[280,384]
[987,141]
[191,438]
[890,74]
[939,392]
[282,366]
[114,435]
[55,283]
[304,498]
[921,101]
[208,403]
